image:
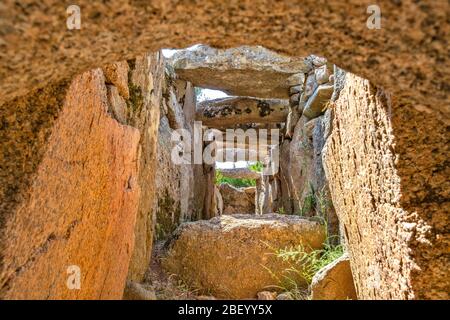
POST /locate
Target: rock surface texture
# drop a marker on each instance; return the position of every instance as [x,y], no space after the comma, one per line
[237,200]
[244,71]
[390,160]
[79,212]
[406,56]
[334,281]
[229,256]
[145,85]
[238,110]
[78,143]
[175,183]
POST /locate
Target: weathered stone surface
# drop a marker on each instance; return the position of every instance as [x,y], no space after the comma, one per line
[316,103]
[310,85]
[304,188]
[322,74]
[168,187]
[390,160]
[175,113]
[292,119]
[117,75]
[31,60]
[219,201]
[245,71]
[136,291]
[238,110]
[334,281]
[146,77]
[338,82]
[299,169]
[266,295]
[228,255]
[80,208]
[240,173]
[296,89]
[413,37]
[286,202]
[175,183]
[236,200]
[116,104]
[296,79]
[293,99]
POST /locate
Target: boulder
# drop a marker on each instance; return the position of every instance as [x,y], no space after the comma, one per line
[232,256]
[334,281]
[244,71]
[237,200]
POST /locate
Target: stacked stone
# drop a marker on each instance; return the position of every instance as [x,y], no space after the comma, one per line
[307,127]
[310,92]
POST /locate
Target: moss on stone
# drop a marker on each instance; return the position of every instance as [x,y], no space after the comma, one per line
[166,223]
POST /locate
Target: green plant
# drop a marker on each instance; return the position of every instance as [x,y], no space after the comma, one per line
[305,262]
[235,182]
[309,202]
[257,167]
[322,203]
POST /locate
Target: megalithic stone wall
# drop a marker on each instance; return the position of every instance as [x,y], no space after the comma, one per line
[70,215]
[145,81]
[387,166]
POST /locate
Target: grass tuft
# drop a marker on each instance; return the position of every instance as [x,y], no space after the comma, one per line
[238,183]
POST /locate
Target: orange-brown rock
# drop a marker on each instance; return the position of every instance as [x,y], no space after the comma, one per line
[146,79]
[334,281]
[387,166]
[232,256]
[237,200]
[117,74]
[407,56]
[80,208]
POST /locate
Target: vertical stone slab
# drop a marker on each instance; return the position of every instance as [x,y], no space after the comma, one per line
[80,207]
[145,82]
[387,164]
